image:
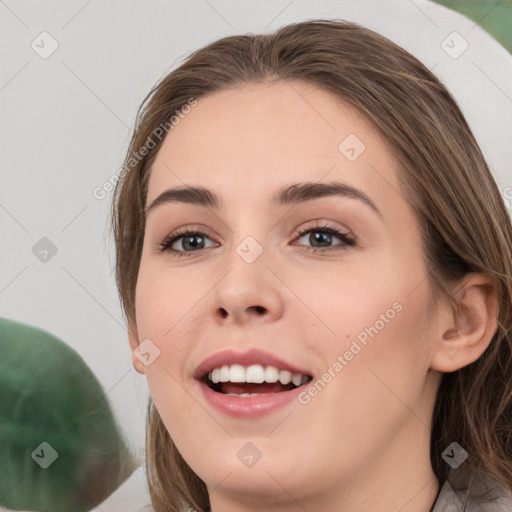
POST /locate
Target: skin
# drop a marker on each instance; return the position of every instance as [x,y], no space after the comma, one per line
[362,443]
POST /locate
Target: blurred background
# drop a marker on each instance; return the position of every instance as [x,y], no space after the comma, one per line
[495,16]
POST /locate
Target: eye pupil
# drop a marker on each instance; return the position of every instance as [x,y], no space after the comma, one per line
[192,244]
[320,236]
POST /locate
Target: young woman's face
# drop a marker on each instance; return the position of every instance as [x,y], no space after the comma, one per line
[285,274]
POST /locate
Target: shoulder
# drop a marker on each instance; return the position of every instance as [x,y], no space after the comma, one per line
[484,495]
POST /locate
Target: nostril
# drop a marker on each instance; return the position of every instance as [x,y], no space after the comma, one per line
[259,309]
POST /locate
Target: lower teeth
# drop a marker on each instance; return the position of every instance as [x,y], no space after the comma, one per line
[244,395]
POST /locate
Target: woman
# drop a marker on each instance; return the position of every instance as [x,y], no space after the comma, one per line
[369,370]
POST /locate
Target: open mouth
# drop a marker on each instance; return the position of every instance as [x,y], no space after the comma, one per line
[247,381]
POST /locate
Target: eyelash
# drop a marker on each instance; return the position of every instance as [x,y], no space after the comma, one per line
[347,240]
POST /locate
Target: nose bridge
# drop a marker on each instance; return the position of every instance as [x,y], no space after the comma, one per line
[250,237]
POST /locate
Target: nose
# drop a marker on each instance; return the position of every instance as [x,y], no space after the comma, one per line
[247,292]
[238,314]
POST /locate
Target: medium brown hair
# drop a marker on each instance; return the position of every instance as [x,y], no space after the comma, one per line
[464,223]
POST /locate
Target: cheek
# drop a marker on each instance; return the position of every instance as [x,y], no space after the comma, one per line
[166,309]
[380,330]
[383,298]
[167,313]
[381,382]
[384,358]
[356,304]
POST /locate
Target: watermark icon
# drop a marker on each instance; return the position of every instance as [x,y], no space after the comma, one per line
[44,45]
[454,45]
[351,147]
[455,455]
[108,186]
[343,360]
[249,249]
[45,455]
[147,352]
[249,454]
[44,250]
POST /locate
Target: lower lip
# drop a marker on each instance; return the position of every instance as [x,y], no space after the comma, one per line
[249,406]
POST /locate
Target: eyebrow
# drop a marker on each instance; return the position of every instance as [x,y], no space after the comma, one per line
[287,195]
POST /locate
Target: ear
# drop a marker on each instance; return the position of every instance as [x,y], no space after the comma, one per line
[465,333]
[133,338]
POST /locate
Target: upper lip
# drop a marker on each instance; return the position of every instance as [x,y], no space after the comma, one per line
[247,358]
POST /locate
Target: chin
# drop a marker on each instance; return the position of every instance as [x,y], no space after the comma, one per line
[263,478]
[254,484]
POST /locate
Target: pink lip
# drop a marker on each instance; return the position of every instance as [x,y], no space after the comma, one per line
[246,407]
[252,356]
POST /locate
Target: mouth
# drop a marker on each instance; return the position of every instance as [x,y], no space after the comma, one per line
[253,380]
[251,384]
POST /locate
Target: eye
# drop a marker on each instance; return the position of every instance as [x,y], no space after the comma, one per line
[184,240]
[323,236]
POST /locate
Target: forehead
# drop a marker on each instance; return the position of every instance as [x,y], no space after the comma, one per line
[253,139]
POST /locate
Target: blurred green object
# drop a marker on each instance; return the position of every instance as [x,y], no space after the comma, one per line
[494,16]
[49,395]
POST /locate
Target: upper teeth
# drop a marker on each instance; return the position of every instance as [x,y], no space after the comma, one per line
[255,374]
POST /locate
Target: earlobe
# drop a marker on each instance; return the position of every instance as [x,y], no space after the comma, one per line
[465,333]
[134,343]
